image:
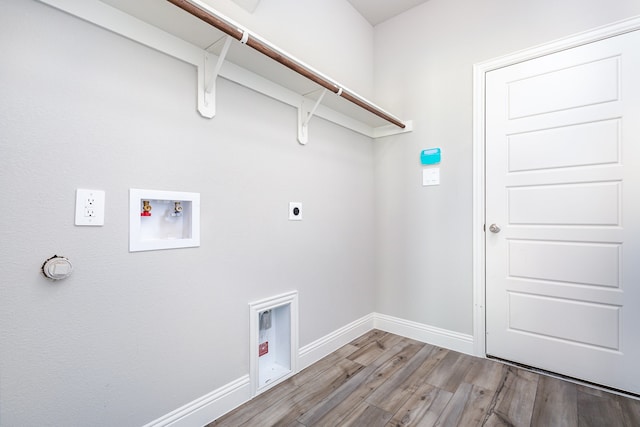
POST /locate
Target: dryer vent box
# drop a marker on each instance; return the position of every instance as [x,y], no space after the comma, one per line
[274,340]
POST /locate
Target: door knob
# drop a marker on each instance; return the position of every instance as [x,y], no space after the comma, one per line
[494,228]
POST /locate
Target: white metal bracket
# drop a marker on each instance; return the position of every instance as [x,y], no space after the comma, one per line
[207,77]
[304,117]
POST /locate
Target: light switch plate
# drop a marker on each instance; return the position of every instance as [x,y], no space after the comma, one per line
[89,207]
[431,176]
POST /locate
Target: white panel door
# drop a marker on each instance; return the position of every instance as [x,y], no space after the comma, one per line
[563,187]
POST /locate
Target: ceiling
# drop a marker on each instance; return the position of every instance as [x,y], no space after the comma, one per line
[377,11]
[374,11]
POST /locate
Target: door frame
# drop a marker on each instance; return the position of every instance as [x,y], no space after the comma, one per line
[479,72]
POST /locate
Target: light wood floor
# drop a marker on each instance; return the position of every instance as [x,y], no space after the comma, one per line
[382,379]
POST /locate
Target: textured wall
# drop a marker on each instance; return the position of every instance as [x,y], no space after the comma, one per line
[132,336]
[424,69]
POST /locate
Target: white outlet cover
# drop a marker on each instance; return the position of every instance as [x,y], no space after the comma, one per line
[89,207]
[293,208]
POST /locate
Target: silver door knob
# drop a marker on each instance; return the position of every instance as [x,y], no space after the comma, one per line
[494,228]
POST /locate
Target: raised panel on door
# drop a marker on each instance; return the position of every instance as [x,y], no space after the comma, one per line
[574,86]
[583,263]
[591,203]
[602,330]
[582,144]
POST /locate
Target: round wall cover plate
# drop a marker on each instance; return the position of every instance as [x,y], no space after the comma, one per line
[57,268]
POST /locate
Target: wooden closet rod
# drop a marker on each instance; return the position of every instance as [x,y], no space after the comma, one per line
[243,36]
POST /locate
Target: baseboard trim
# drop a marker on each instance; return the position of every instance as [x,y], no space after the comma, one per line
[311,353]
[208,407]
[223,400]
[451,340]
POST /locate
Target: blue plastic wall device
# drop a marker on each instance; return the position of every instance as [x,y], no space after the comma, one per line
[430,156]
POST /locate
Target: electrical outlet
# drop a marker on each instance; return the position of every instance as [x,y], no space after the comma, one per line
[295,211]
[89,207]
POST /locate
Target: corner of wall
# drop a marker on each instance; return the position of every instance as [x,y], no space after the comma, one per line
[228,397]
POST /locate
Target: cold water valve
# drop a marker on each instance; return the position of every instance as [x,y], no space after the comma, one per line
[177,209]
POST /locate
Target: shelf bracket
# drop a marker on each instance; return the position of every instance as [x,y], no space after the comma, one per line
[207,77]
[304,117]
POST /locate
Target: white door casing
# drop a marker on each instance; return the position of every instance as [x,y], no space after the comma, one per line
[562,290]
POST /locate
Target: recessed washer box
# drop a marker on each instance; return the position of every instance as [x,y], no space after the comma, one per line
[163,220]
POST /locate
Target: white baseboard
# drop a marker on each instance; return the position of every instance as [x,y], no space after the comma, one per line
[311,353]
[217,403]
[456,341]
[208,407]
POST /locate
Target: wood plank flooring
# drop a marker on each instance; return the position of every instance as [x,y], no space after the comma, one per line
[381,379]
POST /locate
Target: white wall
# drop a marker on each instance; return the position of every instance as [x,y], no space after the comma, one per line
[423,67]
[132,336]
